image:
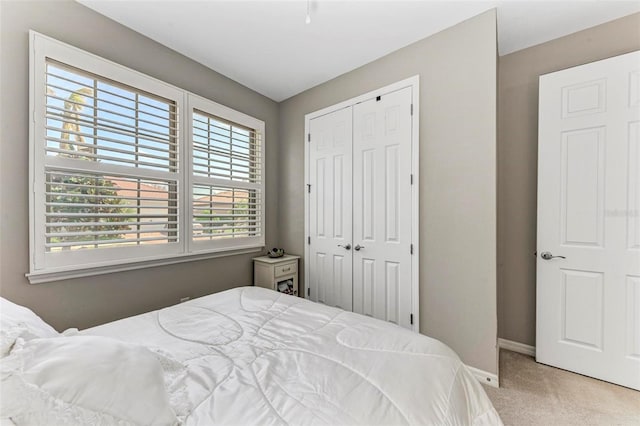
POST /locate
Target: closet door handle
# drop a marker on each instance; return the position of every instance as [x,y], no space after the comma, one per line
[358,247]
[346,246]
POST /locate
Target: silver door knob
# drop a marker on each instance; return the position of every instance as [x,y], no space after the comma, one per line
[346,246]
[548,256]
[358,247]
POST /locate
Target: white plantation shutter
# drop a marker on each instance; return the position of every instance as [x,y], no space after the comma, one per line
[92,118]
[128,171]
[99,125]
[227,188]
[96,210]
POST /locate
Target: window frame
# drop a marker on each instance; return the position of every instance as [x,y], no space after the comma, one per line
[51,266]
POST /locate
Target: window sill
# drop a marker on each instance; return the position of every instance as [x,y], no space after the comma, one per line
[49,276]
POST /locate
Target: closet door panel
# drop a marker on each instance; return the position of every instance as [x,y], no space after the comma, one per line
[382,207]
[330,209]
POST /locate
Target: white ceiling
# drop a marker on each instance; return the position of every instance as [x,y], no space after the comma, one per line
[266,45]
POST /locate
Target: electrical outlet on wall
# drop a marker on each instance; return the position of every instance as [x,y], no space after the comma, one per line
[184,299]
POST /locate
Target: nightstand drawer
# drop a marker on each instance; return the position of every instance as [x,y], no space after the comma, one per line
[286,269]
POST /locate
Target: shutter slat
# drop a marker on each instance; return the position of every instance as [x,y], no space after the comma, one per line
[103,197]
[206,149]
[91,146]
[218,166]
[94,224]
[212,237]
[229,170]
[109,242]
[239,222]
[98,233]
[112,215]
[99,206]
[249,218]
[111,158]
[229,176]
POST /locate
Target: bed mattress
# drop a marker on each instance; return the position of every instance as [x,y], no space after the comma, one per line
[254,356]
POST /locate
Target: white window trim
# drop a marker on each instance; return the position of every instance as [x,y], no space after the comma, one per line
[43,47]
[65,274]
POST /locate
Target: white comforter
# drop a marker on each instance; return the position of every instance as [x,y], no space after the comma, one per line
[254,356]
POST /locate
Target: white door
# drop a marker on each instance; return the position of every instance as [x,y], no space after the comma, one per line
[330,203]
[382,207]
[588,295]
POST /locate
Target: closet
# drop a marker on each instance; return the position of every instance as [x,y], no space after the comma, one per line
[361,207]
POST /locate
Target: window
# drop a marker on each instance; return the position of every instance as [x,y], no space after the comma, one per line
[226,168]
[99,134]
[129,171]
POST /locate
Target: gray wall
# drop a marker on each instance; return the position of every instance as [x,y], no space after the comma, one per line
[94,300]
[457,69]
[518,159]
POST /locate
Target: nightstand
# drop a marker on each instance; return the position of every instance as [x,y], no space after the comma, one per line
[279,274]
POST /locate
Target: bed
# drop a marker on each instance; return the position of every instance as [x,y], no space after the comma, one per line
[249,356]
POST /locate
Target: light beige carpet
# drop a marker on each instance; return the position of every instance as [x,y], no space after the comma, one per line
[536,394]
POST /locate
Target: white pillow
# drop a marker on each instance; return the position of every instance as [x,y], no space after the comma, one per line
[19,321]
[84,380]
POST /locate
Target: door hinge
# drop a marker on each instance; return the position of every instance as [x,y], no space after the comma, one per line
[411,109]
[412,179]
[309,291]
[309,188]
[308,137]
[378,98]
[411,248]
[411,318]
[308,240]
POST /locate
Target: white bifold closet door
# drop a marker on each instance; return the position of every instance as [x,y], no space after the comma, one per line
[382,207]
[360,211]
[330,211]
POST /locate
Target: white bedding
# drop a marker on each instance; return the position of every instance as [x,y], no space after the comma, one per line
[254,356]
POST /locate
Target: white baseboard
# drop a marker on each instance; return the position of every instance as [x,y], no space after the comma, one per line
[490,379]
[521,348]
[484,377]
